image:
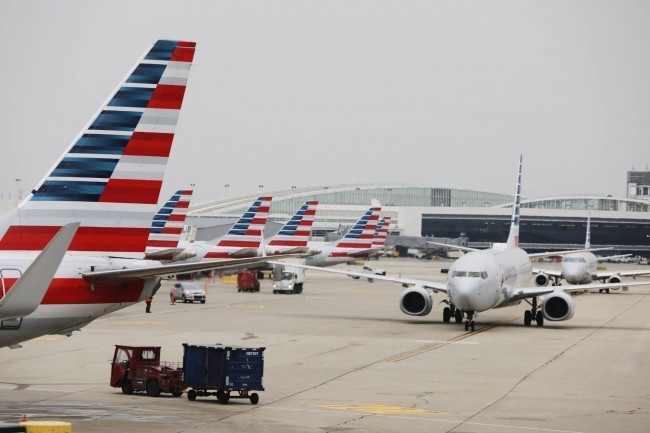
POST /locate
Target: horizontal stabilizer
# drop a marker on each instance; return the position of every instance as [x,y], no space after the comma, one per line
[28,292]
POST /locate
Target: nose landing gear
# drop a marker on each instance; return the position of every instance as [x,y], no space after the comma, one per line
[469,322]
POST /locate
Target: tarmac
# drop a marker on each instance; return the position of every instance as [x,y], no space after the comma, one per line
[342,357]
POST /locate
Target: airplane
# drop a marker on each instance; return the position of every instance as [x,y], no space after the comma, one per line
[167,228]
[75,243]
[581,268]
[355,244]
[293,237]
[481,280]
[381,233]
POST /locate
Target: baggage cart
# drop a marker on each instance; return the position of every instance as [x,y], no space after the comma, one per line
[221,370]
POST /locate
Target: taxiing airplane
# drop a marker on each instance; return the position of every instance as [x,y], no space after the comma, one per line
[75,244]
[582,268]
[485,279]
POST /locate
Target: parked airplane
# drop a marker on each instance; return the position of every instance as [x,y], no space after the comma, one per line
[165,235]
[354,245]
[492,278]
[581,268]
[381,233]
[97,202]
[293,237]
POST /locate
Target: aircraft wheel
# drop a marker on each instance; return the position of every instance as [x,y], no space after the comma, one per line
[466,325]
[446,315]
[539,318]
[458,315]
[528,318]
[606,290]
[472,325]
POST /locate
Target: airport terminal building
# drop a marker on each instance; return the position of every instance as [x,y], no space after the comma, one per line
[481,217]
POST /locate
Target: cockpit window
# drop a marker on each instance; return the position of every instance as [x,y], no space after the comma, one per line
[470,274]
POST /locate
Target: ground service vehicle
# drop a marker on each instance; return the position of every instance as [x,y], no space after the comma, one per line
[247,281]
[139,368]
[219,370]
[288,279]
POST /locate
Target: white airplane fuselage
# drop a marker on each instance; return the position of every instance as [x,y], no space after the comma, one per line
[579,268]
[481,280]
[70,301]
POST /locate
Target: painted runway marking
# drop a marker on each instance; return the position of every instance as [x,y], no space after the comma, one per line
[425,418]
[456,339]
[379,409]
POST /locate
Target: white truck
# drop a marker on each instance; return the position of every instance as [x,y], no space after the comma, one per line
[288,279]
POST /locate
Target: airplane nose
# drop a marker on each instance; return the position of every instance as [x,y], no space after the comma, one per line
[470,295]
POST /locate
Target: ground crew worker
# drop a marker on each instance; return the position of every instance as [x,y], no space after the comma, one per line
[148,302]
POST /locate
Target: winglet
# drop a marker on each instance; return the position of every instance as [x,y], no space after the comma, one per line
[28,292]
[513,237]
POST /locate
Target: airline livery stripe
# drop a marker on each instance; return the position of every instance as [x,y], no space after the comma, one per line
[167,230]
[149,144]
[146,74]
[101,144]
[117,239]
[112,120]
[74,291]
[238,243]
[288,243]
[166,244]
[166,96]
[131,191]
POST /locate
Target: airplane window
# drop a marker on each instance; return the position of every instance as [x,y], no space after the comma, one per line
[473,274]
[460,274]
[484,275]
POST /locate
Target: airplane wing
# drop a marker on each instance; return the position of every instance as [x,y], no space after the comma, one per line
[166,254]
[436,287]
[454,247]
[158,270]
[600,259]
[552,272]
[27,293]
[602,275]
[562,253]
[530,292]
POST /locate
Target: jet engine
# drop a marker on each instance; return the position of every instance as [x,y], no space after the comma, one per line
[416,301]
[614,279]
[541,280]
[184,255]
[558,306]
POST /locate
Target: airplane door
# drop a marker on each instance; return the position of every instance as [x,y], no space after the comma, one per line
[8,276]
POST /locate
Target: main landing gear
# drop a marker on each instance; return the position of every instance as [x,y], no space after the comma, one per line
[533,313]
[452,311]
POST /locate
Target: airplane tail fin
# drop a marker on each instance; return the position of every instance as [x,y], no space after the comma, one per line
[361,235]
[245,236]
[588,237]
[513,237]
[295,233]
[167,225]
[381,233]
[109,178]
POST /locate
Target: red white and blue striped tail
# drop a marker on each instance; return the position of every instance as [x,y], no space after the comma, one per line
[167,225]
[294,235]
[360,236]
[244,239]
[110,177]
[381,233]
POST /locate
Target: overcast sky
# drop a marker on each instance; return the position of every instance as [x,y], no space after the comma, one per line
[305,93]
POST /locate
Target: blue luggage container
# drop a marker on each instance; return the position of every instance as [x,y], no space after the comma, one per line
[218,370]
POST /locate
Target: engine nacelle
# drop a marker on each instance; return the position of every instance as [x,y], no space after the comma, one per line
[416,301]
[614,279]
[558,306]
[184,255]
[541,280]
